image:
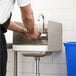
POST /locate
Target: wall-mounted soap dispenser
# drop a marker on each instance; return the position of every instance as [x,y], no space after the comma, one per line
[54,36]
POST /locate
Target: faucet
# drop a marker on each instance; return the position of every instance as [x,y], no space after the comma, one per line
[43,22]
[44,34]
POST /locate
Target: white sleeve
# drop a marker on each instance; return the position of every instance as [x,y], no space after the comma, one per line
[22,3]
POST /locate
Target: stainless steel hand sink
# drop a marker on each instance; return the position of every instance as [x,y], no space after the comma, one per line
[49,41]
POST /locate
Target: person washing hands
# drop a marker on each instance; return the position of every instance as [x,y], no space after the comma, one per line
[28,30]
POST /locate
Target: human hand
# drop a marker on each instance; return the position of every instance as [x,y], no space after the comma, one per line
[36,34]
[33,36]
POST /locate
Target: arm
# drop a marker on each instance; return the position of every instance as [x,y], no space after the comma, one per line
[30,31]
[27,17]
[15,27]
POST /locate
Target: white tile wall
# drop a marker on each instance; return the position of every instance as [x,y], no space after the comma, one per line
[9,36]
[53,68]
[10,74]
[25,74]
[75,3]
[63,11]
[52,4]
[59,58]
[10,64]
[69,36]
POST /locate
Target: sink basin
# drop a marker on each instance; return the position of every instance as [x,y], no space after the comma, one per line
[20,39]
[29,47]
[37,47]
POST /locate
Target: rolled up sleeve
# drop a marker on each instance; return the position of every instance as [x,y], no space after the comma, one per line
[22,3]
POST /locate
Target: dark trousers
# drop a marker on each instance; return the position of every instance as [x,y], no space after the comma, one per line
[3,55]
[3,48]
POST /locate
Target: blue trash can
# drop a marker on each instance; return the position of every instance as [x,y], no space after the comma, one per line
[70,50]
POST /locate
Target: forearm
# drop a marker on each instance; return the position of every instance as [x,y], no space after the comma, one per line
[28,18]
[15,27]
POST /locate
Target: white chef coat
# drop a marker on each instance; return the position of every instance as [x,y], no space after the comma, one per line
[6,7]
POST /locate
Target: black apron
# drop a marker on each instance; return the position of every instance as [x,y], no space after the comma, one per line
[3,48]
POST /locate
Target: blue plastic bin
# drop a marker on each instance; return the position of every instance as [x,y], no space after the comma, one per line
[70,50]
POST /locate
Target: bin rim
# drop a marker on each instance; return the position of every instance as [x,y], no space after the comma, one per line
[70,44]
